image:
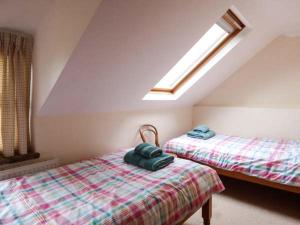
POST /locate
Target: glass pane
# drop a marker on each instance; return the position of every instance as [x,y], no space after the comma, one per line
[198,52]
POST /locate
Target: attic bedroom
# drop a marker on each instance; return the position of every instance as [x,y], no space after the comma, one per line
[136,112]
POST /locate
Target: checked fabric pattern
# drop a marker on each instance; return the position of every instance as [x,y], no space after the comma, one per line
[270,159]
[105,190]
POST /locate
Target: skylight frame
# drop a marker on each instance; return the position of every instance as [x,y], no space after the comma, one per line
[236,24]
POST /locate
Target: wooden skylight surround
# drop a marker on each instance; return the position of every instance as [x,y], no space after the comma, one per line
[211,43]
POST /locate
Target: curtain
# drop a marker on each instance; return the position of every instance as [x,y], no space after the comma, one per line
[15,82]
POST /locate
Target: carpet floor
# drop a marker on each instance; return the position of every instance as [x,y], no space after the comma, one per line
[243,203]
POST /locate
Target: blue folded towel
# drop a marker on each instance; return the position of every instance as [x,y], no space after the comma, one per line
[147,150]
[201,128]
[152,164]
[201,135]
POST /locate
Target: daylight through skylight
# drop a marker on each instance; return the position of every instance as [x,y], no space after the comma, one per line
[217,37]
[213,37]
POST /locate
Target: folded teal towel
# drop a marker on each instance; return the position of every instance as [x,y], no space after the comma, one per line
[149,164]
[201,135]
[201,128]
[147,150]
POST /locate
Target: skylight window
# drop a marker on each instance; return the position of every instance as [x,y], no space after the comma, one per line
[183,74]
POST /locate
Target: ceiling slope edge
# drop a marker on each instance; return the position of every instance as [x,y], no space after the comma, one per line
[56,38]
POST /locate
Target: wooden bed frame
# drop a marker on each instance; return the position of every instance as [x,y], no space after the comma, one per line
[207,207]
[206,212]
[248,178]
[244,177]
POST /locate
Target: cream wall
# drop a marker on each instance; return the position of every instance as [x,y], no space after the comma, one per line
[261,98]
[77,136]
[270,79]
[74,137]
[250,122]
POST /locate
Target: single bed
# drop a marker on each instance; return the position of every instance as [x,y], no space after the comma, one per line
[105,190]
[270,162]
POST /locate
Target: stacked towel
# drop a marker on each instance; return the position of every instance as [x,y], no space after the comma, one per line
[201,135]
[148,151]
[148,157]
[201,132]
[201,128]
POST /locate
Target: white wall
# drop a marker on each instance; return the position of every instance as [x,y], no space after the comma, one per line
[75,137]
[261,98]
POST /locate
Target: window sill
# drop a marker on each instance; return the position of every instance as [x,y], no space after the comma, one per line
[18,158]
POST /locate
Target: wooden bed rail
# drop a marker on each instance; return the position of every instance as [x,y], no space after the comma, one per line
[248,178]
[244,177]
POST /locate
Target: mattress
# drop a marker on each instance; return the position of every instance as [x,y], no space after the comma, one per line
[105,190]
[270,159]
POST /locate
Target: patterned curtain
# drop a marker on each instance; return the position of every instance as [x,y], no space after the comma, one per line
[15,81]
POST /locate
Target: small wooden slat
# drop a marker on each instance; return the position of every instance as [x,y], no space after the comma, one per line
[165,90]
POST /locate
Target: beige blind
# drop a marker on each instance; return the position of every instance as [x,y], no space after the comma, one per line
[1,69]
[15,77]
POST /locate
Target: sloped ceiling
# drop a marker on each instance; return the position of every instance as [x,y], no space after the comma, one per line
[23,15]
[57,26]
[56,36]
[130,45]
[269,80]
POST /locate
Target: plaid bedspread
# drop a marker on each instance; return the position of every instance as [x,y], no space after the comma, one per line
[275,160]
[105,190]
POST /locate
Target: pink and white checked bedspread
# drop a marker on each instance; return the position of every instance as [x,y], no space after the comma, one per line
[274,160]
[105,190]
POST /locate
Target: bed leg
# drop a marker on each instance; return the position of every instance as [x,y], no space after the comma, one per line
[207,211]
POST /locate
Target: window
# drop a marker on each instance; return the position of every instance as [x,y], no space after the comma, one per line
[184,73]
